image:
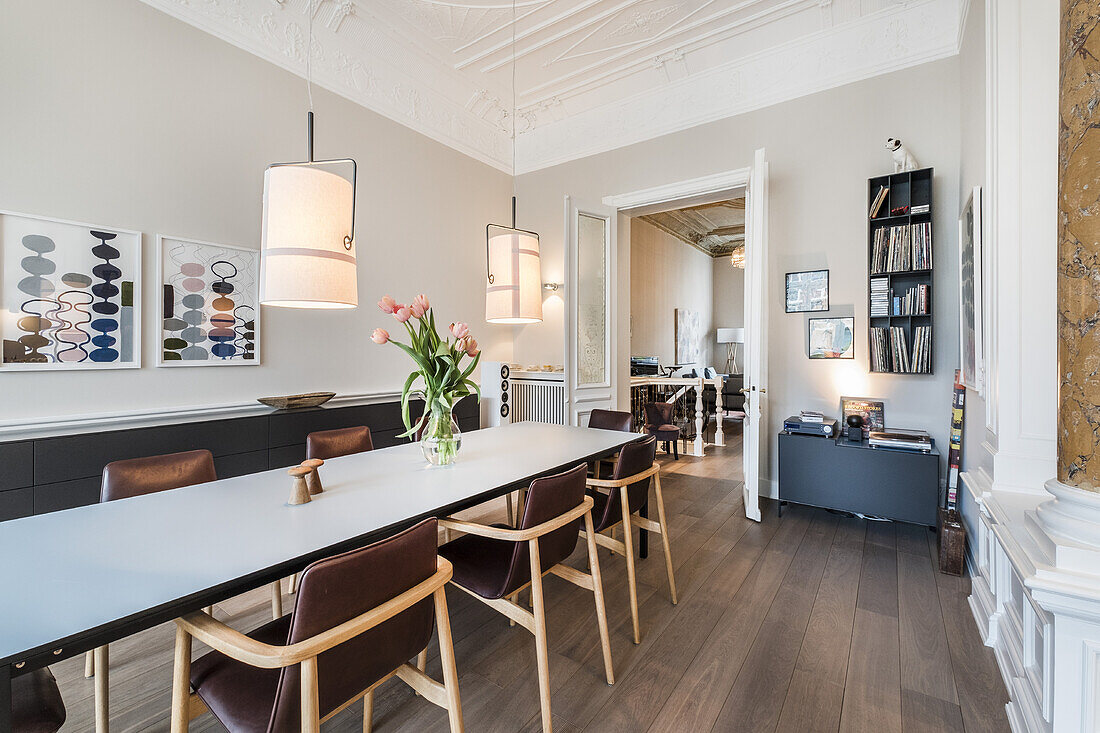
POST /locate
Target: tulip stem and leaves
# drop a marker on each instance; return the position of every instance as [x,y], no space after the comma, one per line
[440,374]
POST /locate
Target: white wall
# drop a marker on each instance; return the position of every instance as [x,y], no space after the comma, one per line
[729,307]
[117,114]
[821,150]
[666,274]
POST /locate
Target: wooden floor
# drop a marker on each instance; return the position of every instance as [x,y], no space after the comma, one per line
[812,622]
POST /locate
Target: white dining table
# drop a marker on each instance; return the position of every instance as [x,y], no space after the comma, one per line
[77,579]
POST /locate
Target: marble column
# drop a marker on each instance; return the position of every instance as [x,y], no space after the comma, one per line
[1079,246]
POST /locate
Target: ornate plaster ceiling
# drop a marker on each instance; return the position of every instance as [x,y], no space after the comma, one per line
[590,75]
[714,229]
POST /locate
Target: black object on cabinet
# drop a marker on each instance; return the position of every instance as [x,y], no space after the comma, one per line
[835,474]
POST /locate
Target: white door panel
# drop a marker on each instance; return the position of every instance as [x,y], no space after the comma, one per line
[756,323]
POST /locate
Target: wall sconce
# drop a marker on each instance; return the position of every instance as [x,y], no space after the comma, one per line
[552,287]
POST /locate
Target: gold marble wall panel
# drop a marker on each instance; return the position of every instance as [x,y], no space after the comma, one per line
[1079,246]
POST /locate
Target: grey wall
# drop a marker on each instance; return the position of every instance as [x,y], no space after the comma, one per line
[821,150]
[729,307]
[666,274]
[119,115]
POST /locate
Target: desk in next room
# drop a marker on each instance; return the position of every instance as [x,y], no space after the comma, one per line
[854,477]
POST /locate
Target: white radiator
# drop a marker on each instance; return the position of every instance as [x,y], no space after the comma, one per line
[515,396]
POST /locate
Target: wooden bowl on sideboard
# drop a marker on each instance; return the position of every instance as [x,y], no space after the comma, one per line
[294,401]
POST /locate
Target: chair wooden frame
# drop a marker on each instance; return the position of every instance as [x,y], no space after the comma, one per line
[626,547]
[535,620]
[187,705]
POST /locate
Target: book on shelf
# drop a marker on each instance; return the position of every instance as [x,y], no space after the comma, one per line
[880,199]
[920,209]
[880,297]
[913,302]
[901,248]
[891,352]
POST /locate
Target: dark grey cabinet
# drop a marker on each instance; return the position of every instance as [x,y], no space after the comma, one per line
[834,474]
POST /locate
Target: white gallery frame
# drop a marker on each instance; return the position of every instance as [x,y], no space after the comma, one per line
[974,379]
[160,361]
[137,245]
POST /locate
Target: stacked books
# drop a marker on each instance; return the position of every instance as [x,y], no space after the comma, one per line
[920,209]
[915,302]
[890,350]
[902,248]
[880,199]
[880,297]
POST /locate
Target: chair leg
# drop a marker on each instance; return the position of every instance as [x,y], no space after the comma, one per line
[421,664]
[628,540]
[277,600]
[511,511]
[597,591]
[542,654]
[311,706]
[181,683]
[664,535]
[514,598]
[676,449]
[89,664]
[293,584]
[102,690]
[368,711]
[447,657]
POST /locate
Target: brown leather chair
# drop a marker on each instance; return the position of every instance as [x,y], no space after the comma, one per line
[36,704]
[326,444]
[358,619]
[659,422]
[494,563]
[611,420]
[627,492]
[608,420]
[137,477]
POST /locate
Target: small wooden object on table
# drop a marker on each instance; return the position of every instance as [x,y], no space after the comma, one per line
[299,493]
[952,542]
[313,478]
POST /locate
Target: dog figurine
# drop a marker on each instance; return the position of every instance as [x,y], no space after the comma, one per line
[903,159]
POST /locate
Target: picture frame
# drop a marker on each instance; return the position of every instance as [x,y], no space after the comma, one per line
[70,295]
[971,331]
[873,412]
[831,338]
[807,291]
[206,288]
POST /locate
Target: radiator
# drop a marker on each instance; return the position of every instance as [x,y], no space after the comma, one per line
[538,401]
[515,396]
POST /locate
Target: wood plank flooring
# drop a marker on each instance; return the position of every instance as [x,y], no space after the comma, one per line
[813,622]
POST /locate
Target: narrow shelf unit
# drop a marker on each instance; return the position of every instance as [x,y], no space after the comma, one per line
[900,269]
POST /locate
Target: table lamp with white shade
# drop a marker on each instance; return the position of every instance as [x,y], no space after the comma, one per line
[731,337]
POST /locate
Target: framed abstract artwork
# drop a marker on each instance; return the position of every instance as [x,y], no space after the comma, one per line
[970,291]
[70,295]
[832,338]
[807,292]
[688,336]
[209,305]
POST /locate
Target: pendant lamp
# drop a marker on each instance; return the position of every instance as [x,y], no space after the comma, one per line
[307,256]
[513,291]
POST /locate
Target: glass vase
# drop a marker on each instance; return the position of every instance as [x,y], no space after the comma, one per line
[442,439]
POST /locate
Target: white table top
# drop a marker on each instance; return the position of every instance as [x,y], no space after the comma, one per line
[72,572]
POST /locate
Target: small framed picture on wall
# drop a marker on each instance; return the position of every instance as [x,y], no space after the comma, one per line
[832,338]
[807,292]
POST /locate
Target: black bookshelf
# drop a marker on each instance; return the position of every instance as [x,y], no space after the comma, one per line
[900,333]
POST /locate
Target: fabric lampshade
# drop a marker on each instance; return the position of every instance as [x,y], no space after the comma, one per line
[731,335]
[307,215]
[514,291]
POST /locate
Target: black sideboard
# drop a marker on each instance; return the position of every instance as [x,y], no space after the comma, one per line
[833,474]
[52,473]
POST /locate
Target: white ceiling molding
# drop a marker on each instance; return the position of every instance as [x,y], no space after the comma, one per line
[591,75]
[892,39]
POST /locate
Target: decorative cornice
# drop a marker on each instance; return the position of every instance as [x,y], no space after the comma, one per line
[886,41]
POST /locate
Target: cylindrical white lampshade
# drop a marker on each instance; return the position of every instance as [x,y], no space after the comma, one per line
[514,293]
[307,215]
[731,335]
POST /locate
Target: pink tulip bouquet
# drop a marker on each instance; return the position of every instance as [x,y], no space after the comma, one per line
[445,379]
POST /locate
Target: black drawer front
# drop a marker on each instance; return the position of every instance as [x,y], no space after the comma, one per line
[16,503]
[16,465]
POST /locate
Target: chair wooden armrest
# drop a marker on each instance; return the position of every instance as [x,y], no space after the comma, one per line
[236,645]
[518,535]
[617,483]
